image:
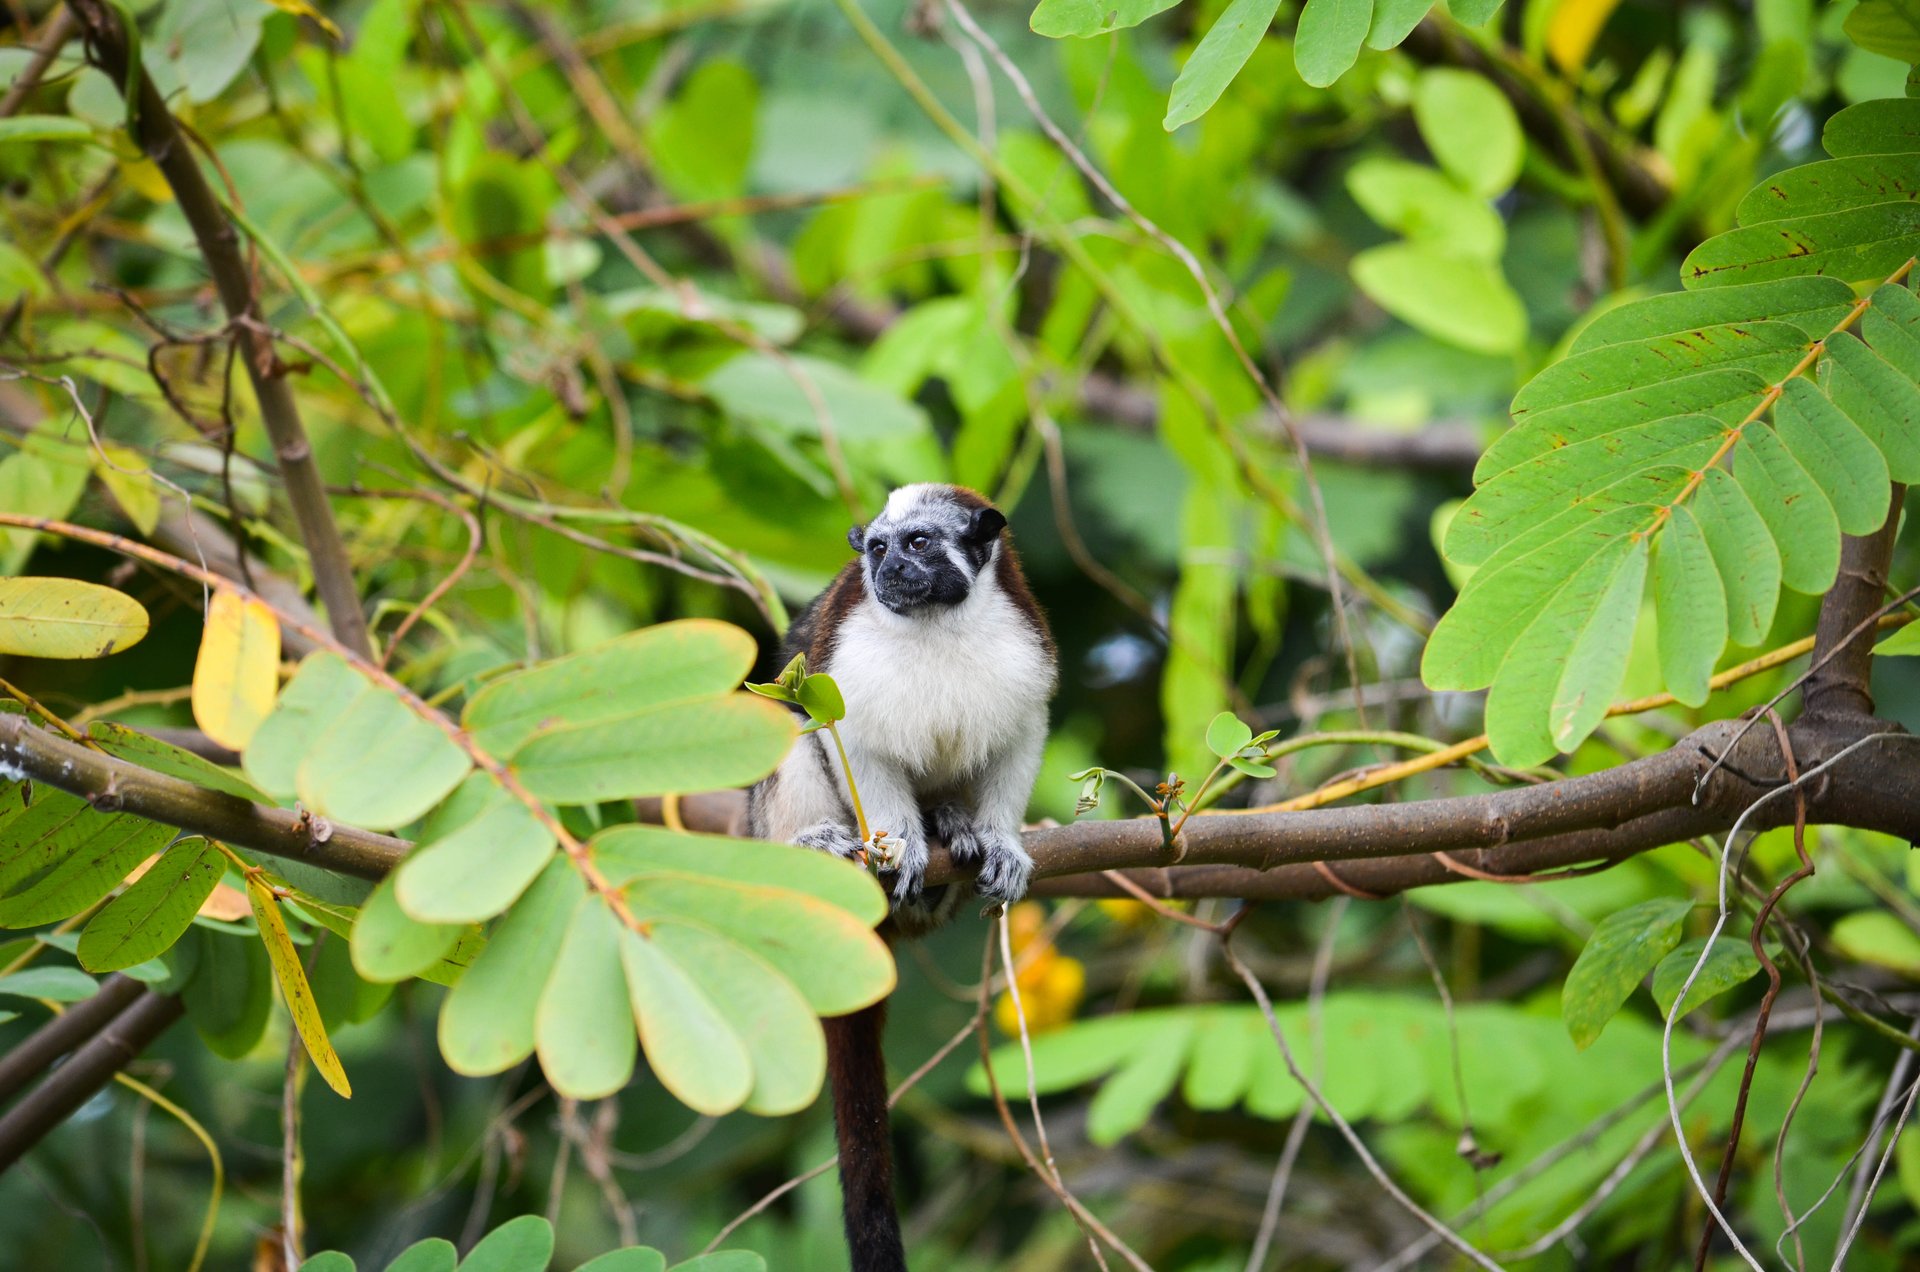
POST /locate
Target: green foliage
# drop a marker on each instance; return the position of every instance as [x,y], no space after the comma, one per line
[1624,947]
[526,1244]
[1610,446]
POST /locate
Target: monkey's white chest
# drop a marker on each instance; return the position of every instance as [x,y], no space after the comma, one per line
[941,697]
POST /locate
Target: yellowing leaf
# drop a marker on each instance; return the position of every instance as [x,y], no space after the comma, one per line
[1574,27]
[293,985]
[236,674]
[65,618]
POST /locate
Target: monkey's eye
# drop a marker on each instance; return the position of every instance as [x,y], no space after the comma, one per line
[878,547]
[918,543]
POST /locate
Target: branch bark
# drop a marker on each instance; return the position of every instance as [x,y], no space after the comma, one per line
[114,785]
[89,1069]
[160,138]
[1841,680]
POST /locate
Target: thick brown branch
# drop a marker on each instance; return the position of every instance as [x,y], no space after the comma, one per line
[36,1053]
[90,1068]
[1840,682]
[160,138]
[114,785]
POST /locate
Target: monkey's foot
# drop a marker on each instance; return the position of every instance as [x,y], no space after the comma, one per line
[958,831]
[830,837]
[1004,867]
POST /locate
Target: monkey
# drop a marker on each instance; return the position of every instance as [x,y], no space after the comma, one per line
[947,666]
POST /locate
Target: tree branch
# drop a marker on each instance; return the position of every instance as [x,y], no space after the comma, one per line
[159,136]
[1841,680]
[35,1053]
[89,1069]
[113,785]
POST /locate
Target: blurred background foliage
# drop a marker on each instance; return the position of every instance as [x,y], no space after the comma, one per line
[585,247]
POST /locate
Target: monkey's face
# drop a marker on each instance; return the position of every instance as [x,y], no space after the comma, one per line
[926,549]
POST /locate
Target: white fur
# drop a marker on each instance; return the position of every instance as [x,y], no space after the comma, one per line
[946,708]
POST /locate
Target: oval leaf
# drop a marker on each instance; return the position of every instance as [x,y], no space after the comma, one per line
[144,921]
[65,618]
[294,990]
[238,670]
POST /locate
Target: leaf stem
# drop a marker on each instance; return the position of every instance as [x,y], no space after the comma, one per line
[859,813]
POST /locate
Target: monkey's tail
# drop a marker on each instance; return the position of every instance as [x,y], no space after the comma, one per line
[858,1073]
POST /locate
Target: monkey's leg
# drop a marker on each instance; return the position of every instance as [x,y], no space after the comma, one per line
[803,803]
[999,806]
[886,793]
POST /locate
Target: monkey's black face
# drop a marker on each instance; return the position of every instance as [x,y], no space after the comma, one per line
[915,567]
[927,553]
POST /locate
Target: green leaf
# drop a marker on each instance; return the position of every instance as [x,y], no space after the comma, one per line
[657,666]
[687,746]
[1527,496]
[1892,326]
[833,957]
[1227,734]
[1128,1099]
[630,852]
[163,757]
[1744,555]
[1461,301]
[1505,595]
[1890,28]
[1813,305]
[1328,39]
[1394,20]
[109,851]
[1061,19]
[1474,13]
[435,1254]
[501,200]
[1884,403]
[487,1023]
[389,945]
[66,618]
[1860,245]
[518,1245]
[231,994]
[690,1046]
[205,44]
[1564,670]
[377,764]
[1887,126]
[1470,127]
[1904,642]
[581,1031]
[35,837]
[1843,460]
[1796,512]
[1624,947]
[1691,608]
[1832,185]
[329,1261]
[820,697]
[319,692]
[19,129]
[1880,938]
[701,141]
[1731,963]
[56,984]
[476,854]
[1222,51]
[1425,205]
[781,1034]
[144,921]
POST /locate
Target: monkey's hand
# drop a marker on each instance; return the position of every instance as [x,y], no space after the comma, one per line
[909,865]
[841,841]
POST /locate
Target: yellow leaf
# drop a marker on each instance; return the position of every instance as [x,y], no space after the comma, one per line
[301,9]
[65,618]
[237,672]
[143,177]
[293,985]
[124,473]
[1573,28]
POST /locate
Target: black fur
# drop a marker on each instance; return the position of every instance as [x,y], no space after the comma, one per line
[859,1078]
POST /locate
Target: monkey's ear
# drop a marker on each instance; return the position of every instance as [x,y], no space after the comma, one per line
[985,525]
[857,538]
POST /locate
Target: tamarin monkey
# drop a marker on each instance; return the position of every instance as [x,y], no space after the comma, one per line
[946,665]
